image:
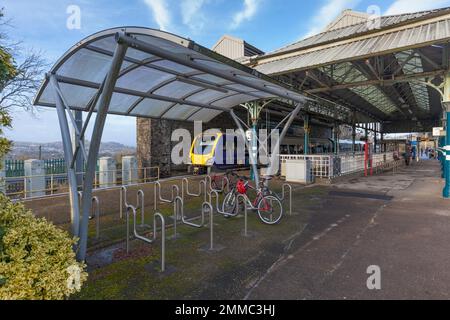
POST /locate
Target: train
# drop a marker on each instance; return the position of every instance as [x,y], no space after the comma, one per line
[205,150]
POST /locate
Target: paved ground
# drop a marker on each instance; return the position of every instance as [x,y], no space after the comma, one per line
[397,222]
[408,237]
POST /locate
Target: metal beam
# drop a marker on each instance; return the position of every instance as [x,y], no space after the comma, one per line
[384,82]
[102,111]
[137,93]
[68,154]
[192,63]
[273,158]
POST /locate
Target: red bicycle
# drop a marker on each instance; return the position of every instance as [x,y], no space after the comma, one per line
[266,202]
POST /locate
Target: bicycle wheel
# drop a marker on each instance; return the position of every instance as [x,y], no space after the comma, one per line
[230,204]
[270,210]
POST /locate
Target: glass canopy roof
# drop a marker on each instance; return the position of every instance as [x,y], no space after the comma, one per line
[158,86]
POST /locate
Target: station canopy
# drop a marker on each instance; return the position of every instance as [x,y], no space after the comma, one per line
[171,78]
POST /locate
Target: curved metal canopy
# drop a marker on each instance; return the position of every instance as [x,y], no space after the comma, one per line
[162,76]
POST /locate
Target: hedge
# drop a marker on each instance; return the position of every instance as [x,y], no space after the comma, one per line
[36,258]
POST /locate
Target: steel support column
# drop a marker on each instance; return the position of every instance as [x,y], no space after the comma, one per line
[375,139]
[336,138]
[68,154]
[274,158]
[446,104]
[253,160]
[79,163]
[102,111]
[354,134]
[254,110]
[307,132]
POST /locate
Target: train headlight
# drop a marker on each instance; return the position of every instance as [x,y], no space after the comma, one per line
[210,162]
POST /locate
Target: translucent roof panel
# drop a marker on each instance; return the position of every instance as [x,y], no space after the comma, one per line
[151,108]
[162,76]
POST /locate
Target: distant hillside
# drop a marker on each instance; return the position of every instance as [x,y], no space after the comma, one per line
[30,150]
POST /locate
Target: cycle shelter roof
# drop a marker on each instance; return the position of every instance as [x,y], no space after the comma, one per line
[162,76]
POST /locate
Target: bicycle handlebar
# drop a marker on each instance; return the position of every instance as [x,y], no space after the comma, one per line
[263,178]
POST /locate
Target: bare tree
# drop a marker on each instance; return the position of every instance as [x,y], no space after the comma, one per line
[18,87]
[19,90]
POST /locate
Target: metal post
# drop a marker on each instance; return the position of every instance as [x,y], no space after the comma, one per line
[446,104]
[253,162]
[446,191]
[79,163]
[254,110]
[375,139]
[273,158]
[102,111]
[307,131]
[354,135]
[68,154]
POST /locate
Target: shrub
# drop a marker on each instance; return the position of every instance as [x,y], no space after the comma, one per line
[36,258]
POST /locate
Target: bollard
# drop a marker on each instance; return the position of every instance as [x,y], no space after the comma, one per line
[107,172]
[34,178]
[129,170]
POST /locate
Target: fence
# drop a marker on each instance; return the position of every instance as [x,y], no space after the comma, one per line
[16,168]
[57,183]
[321,165]
[332,166]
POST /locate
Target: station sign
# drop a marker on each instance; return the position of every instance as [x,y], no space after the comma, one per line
[438,132]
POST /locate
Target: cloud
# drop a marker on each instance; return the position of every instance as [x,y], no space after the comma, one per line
[327,13]
[160,13]
[192,15]
[247,13]
[407,6]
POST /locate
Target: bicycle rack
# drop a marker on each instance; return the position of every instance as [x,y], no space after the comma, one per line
[239,197]
[211,223]
[283,197]
[227,214]
[224,179]
[178,207]
[157,194]
[141,205]
[95,210]
[123,200]
[185,187]
[150,241]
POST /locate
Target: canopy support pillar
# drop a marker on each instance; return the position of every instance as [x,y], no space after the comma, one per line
[446,104]
[91,163]
[354,133]
[79,161]
[307,132]
[68,154]
[253,159]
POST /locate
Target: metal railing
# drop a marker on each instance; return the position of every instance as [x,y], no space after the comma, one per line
[147,240]
[332,166]
[57,184]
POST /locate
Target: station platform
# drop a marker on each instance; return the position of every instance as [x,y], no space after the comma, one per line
[398,222]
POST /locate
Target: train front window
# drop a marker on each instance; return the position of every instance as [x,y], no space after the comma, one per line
[204,146]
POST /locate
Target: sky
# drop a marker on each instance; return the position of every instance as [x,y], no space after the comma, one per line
[267,24]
